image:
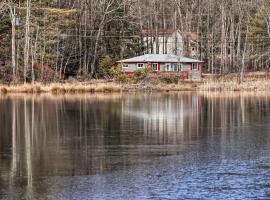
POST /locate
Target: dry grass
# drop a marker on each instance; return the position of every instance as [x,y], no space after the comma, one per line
[66,88]
[161,87]
[235,94]
[250,85]
[97,87]
[80,88]
[24,88]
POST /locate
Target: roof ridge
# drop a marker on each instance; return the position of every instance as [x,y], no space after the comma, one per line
[160,58]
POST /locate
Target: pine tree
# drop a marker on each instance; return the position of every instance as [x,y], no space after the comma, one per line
[259,34]
[122,33]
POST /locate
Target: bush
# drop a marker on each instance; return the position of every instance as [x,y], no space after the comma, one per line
[6,75]
[122,78]
[169,79]
[42,73]
[108,69]
[140,74]
[4,91]
[115,71]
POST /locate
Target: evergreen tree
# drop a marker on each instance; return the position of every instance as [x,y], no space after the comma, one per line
[259,33]
[122,33]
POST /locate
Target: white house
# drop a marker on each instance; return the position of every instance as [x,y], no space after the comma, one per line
[164,63]
[170,41]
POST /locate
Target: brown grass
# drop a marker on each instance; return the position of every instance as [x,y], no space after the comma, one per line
[248,85]
[69,88]
[26,88]
[97,87]
[4,90]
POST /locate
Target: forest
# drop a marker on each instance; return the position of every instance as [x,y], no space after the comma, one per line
[47,40]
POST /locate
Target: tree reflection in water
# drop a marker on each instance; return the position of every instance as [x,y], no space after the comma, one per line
[51,136]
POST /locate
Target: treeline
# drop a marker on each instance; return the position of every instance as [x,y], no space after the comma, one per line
[72,36]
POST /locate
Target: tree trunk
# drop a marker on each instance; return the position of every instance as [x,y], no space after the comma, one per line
[27,38]
[13,40]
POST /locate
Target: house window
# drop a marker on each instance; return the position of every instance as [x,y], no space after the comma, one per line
[195,66]
[140,65]
[167,67]
[155,67]
[176,67]
[125,65]
[171,68]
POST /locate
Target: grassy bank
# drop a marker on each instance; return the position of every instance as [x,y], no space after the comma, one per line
[57,88]
[88,87]
[112,87]
[248,85]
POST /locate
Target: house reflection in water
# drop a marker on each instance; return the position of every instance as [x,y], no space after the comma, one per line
[164,119]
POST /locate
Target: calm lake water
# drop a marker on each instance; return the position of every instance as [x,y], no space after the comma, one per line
[135,146]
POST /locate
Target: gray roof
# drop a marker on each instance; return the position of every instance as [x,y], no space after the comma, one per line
[160,58]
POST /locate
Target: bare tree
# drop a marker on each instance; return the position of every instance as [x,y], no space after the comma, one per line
[27,38]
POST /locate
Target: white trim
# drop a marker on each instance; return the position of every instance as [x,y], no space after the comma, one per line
[167,67]
[125,66]
[195,66]
[153,67]
[140,64]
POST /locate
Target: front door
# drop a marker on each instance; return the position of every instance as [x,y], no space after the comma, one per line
[155,67]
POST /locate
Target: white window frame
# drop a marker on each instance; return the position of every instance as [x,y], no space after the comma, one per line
[153,67]
[171,68]
[168,67]
[176,67]
[125,66]
[180,67]
[138,65]
[195,66]
[184,67]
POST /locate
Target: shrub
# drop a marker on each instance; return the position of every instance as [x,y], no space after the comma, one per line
[42,73]
[115,71]
[4,90]
[169,79]
[108,69]
[122,78]
[140,74]
[6,74]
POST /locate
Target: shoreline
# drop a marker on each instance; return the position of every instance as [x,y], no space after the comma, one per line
[113,87]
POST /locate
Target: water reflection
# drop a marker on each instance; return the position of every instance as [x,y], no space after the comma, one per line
[47,136]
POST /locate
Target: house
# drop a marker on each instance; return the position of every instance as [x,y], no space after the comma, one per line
[170,41]
[164,63]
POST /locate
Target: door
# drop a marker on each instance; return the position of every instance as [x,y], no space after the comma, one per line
[155,67]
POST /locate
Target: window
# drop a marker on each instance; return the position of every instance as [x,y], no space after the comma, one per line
[140,65]
[125,65]
[195,66]
[176,67]
[172,68]
[155,67]
[167,67]
[185,67]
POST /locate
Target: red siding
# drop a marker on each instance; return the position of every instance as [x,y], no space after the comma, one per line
[200,67]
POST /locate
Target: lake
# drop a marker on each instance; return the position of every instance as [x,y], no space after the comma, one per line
[135,146]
